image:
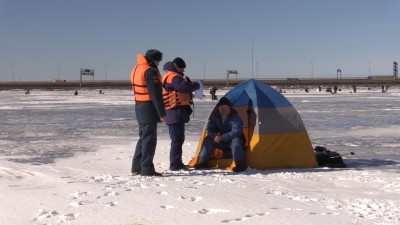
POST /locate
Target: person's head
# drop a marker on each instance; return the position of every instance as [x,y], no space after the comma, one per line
[154,55]
[224,106]
[179,64]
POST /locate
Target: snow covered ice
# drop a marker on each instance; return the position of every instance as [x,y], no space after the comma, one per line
[66,159]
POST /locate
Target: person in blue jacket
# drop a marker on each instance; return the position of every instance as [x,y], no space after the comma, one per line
[225,131]
[177,94]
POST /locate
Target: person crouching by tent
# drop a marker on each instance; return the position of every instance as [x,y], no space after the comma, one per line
[177,94]
[225,131]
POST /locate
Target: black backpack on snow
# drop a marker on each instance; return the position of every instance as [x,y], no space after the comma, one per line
[327,158]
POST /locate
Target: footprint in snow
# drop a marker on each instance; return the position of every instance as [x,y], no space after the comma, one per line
[210,211]
[193,199]
[323,214]
[76,204]
[69,217]
[246,217]
[109,193]
[169,207]
[110,204]
[45,214]
[80,194]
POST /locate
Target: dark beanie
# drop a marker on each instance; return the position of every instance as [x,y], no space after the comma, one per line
[179,62]
[154,55]
[224,101]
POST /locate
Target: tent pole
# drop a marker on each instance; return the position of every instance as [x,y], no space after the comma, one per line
[248,121]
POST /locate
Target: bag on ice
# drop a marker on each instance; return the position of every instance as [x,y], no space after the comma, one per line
[327,158]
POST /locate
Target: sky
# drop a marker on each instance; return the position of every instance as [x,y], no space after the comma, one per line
[46,39]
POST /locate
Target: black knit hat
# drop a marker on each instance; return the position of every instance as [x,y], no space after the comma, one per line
[154,55]
[179,62]
[224,101]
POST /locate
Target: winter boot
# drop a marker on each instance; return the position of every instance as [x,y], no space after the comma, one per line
[201,164]
[240,166]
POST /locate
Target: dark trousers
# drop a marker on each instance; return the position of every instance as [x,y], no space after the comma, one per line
[145,148]
[235,145]
[177,135]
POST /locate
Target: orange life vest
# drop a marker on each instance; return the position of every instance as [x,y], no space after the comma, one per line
[138,80]
[174,98]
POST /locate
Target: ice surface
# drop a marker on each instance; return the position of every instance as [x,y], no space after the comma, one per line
[65,159]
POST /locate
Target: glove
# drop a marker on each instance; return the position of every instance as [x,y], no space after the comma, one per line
[187,79]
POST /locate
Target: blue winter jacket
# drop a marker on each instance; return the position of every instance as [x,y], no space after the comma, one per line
[179,114]
[231,128]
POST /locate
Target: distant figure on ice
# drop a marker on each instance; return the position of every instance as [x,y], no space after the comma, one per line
[328,90]
[383,88]
[27,92]
[177,92]
[212,92]
[149,109]
[354,88]
[76,92]
[101,92]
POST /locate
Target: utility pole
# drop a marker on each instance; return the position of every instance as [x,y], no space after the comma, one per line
[13,69]
[105,71]
[252,56]
[58,70]
[204,71]
[339,72]
[369,67]
[312,69]
[257,69]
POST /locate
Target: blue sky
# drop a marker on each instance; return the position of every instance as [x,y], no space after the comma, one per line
[42,39]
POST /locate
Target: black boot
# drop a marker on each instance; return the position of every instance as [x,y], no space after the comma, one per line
[201,164]
[240,166]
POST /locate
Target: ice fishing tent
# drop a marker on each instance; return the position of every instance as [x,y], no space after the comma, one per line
[275,133]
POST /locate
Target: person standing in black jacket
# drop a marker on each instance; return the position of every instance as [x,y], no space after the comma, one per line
[149,109]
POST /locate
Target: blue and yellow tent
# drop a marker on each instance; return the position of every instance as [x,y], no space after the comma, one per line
[275,133]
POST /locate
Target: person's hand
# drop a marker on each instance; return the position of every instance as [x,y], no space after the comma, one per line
[218,138]
[162,119]
[197,84]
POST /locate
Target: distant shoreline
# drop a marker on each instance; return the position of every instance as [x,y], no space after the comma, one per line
[219,83]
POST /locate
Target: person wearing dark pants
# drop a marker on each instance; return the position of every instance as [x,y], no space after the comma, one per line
[149,109]
[177,93]
[143,160]
[225,131]
[177,135]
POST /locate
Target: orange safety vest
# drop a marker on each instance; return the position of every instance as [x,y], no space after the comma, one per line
[174,98]
[138,80]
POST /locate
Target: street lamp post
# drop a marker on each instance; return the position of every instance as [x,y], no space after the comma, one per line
[105,71]
[252,56]
[369,67]
[204,71]
[339,72]
[58,70]
[257,69]
[13,69]
[312,69]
